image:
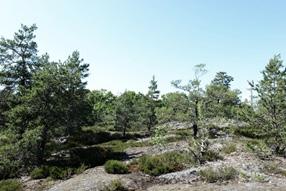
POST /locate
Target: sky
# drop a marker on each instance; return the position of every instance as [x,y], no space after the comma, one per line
[127,41]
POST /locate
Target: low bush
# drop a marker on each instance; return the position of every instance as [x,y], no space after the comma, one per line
[259,147]
[8,168]
[153,165]
[259,177]
[133,166]
[164,163]
[9,160]
[115,185]
[250,132]
[229,148]
[80,169]
[115,167]
[274,168]
[221,174]
[56,172]
[60,173]
[176,160]
[10,185]
[210,155]
[39,173]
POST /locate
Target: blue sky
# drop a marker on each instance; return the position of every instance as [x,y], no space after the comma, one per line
[127,41]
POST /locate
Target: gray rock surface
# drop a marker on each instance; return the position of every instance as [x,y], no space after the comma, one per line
[96,179]
[185,176]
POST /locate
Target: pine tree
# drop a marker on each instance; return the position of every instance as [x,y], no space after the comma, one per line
[152,103]
[74,71]
[18,59]
[272,104]
[18,63]
[4,106]
[222,79]
[220,100]
[125,111]
[153,91]
[193,88]
[53,107]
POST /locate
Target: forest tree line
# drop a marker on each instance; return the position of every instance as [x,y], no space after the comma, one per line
[43,100]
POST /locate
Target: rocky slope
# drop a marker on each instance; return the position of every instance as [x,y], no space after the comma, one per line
[251,168]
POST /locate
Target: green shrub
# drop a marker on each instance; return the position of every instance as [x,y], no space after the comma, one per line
[259,177]
[210,155]
[115,167]
[212,175]
[176,160]
[80,169]
[259,147]
[60,173]
[158,137]
[229,148]
[153,165]
[274,168]
[39,173]
[133,166]
[250,132]
[10,185]
[164,163]
[8,168]
[56,172]
[209,175]
[9,161]
[115,185]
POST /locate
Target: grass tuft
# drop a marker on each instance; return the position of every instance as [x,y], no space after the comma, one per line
[221,174]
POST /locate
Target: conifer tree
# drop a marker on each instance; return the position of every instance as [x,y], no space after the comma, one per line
[152,103]
[18,59]
[193,88]
[271,91]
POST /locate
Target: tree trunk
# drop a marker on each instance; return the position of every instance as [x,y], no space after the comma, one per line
[195,125]
[42,146]
[197,109]
[195,129]
[124,131]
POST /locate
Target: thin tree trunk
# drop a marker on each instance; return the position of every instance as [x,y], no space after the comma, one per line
[195,125]
[42,146]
